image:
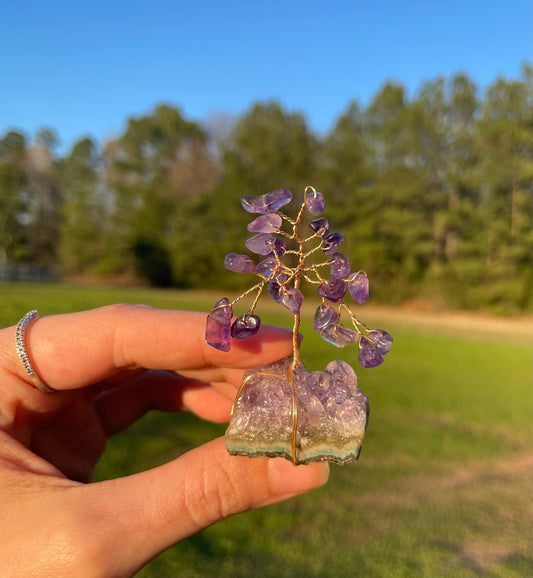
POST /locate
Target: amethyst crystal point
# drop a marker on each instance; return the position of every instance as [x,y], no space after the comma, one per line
[338,335]
[320,226]
[325,315]
[331,242]
[358,287]
[381,339]
[368,353]
[245,326]
[218,325]
[333,290]
[265,224]
[239,263]
[261,244]
[339,265]
[315,203]
[332,414]
[292,299]
[268,202]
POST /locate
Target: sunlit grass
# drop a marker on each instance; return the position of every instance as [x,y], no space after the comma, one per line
[443,486]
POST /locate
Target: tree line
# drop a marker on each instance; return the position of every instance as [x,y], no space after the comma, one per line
[433,192]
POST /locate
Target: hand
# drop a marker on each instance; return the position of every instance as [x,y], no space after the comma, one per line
[110,366]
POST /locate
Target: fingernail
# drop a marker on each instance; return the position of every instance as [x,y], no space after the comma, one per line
[286,478]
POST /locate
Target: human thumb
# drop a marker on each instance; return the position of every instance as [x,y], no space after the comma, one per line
[154,509]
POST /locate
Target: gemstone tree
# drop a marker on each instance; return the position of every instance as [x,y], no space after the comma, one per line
[282,409]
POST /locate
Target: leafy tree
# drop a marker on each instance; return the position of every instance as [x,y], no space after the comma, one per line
[505,132]
[42,198]
[84,212]
[13,245]
[151,171]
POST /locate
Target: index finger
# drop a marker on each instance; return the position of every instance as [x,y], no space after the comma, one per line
[77,349]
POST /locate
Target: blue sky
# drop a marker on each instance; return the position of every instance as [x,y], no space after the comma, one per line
[83,68]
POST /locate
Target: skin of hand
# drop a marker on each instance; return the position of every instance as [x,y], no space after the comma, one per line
[109,366]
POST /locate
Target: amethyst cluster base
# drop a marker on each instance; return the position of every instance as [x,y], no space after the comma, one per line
[331,414]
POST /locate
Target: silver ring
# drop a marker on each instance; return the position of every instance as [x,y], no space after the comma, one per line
[20,336]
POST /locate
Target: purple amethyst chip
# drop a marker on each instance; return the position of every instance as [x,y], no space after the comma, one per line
[338,335]
[280,247]
[239,263]
[261,243]
[333,290]
[315,203]
[245,326]
[266,267]
[368,353]
[358,287]
[325,315]
[381,339]
[218,325]
[267,203]
[320,226]
[339,265]
[331,242]
[265,224]
[292,298]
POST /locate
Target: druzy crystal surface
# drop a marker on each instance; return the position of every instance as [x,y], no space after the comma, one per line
[330,418]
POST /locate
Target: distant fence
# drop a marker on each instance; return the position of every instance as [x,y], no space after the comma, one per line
[27,273]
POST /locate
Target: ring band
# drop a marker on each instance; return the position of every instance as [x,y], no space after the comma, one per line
[20,336]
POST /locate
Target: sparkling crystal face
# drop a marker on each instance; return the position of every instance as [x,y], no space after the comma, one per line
[281,409]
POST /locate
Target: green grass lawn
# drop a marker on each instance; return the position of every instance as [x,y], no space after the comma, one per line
[443,486]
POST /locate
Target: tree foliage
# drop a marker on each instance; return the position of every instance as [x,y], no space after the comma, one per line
[434,192]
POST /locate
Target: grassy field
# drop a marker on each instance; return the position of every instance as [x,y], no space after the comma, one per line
[443,487]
